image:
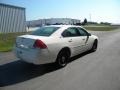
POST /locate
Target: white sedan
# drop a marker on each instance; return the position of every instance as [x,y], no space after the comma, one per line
[55,43]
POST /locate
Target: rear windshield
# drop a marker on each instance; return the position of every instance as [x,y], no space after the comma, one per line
[44,31]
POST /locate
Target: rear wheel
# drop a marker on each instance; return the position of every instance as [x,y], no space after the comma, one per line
[62,58]
[94,47]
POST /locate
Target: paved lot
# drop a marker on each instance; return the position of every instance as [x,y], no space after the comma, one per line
[90,71]
[7,57]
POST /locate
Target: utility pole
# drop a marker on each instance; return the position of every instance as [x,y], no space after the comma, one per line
[90,17]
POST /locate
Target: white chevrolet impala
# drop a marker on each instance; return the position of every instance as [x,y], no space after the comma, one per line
[55,43]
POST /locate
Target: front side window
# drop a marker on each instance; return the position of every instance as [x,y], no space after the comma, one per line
[82,32]
[45,31]
[70,32]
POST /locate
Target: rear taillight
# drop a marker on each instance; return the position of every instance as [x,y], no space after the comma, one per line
[39,44]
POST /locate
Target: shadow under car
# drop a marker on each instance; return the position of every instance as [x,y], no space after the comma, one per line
[19,71]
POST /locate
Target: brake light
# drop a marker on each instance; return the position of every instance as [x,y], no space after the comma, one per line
[39,44]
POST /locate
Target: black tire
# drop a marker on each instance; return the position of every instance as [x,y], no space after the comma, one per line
[94,47]
[62,58]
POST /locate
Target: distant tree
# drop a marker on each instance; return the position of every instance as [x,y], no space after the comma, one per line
[84,22]
[92,23]
[105,23]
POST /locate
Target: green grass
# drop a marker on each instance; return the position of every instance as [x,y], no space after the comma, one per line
[6,46]
[7,41]
[101,28]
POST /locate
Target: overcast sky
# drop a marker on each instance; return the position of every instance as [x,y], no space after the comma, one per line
[98,10]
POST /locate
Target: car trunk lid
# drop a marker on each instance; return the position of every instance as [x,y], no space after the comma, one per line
[27,41]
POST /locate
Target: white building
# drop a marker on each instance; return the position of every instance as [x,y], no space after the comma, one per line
[52,21]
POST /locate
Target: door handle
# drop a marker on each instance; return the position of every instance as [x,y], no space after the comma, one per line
[70,40]
[83,39]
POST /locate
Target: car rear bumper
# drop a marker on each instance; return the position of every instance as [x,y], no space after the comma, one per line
[35,56]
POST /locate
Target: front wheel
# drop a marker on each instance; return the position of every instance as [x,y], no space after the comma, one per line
[62,58]
[94,47]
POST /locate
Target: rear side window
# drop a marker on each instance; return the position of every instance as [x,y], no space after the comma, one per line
[45,31]
[71,32]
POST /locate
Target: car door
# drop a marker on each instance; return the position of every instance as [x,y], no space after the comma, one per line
[84,35]
[72,38]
